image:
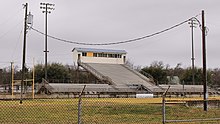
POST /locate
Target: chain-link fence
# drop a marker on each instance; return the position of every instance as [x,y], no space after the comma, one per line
[120,111]
[106,111]
[190,110]
[93,111]
[39,111]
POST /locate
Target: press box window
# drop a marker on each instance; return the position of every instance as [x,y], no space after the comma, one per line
[95,55]
[104,55]
[84,54]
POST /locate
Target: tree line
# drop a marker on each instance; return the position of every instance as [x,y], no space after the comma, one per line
[58,73]
[160,71]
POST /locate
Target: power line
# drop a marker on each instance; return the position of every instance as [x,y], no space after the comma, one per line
[11,17]
[119,42]
[16,45]
[10,29]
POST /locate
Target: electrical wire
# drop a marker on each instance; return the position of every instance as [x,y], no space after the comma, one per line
[119,42]
[16,45]
[11,29]
[200,26]
[3,64]
[12,17]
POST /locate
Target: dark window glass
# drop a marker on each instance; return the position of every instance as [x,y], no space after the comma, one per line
[95,54]
[84,54]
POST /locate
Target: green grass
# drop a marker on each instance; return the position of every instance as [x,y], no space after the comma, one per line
[38,111]
[96,111]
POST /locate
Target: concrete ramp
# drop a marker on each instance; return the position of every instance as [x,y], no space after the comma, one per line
[119,75]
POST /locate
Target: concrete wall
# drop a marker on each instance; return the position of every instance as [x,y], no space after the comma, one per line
[75,56]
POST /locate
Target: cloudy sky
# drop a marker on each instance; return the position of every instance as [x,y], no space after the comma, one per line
[103,21]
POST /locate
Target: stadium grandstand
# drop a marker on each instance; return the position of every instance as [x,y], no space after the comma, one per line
[115,78]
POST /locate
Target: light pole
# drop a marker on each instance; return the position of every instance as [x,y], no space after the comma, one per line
[193,25]
[46,8]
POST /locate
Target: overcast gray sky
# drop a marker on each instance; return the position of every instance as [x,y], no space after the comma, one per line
[102,21]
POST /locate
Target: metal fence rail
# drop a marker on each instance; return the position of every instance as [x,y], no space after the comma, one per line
[194,120]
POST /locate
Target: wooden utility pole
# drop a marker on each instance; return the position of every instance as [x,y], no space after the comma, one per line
[205,95]
[24,51]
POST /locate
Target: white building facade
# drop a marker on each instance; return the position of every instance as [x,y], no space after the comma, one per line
[91,55]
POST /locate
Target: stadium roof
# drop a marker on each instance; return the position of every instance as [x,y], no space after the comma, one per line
[99,50]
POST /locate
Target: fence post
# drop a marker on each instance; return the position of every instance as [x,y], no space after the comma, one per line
[79,105]
[164,106]
[163,109]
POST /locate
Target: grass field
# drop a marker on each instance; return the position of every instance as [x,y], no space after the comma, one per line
[99,111]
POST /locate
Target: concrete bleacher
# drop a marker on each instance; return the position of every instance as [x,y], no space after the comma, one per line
[120,79]
[59,87]
[120,75]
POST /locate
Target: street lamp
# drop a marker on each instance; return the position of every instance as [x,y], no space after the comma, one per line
[46,8]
